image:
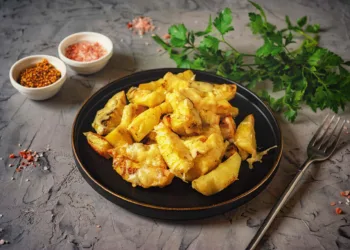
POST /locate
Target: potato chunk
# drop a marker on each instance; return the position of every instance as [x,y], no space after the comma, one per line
[175,153]
[209,103]
[141,165]
[99,144]
[244,138]
[210,153]
[144,123]
[120,135]
[185,119]
[146,98]
[109,117]
[173,82]
[220,178]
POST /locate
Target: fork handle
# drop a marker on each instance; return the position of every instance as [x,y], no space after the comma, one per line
[277,207]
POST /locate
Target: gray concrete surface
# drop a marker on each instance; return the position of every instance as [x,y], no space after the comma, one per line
[57,209]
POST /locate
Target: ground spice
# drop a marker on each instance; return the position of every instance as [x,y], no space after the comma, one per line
[41,75]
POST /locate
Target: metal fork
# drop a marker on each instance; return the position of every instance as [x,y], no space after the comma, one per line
[320,148]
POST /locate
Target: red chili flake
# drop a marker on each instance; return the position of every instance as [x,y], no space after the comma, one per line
[166,36]
[129,25]
[12,156]
[29,158]
[338,210]
[342,193]
[333,203]
[23,163]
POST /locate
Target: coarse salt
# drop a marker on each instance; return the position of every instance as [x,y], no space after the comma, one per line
[146,43]
[0,229]
[98,226]
[12,178]
[122,40]
[27,179]
[10,165]
[141,25]
[46,168]
[1,158]
[1,215]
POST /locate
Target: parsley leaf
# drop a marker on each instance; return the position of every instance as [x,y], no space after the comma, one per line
[178,36]
[302,21]
[223,22]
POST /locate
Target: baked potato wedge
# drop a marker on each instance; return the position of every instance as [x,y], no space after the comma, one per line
[244,137]
[185,119]
[109,117]
[187,75]
[152,85]
[209,103]
[175,153]
[218,91]
[207,159]
[144,123]
[220,178]
[120,135]
[99,144]
[174,82]
[145,97]
[141,165]
[228,128]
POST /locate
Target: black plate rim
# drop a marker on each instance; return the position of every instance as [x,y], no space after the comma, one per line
[146,205]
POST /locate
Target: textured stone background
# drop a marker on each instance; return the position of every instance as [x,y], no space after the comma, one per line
[57,209]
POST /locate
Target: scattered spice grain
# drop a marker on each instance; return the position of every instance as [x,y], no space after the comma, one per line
[338,210]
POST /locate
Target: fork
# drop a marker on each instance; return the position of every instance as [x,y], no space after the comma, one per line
[320,148]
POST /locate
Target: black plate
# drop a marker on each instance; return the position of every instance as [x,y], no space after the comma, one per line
[177,201]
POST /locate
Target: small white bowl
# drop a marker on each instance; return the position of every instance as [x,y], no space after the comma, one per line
[86,68]
[40,93]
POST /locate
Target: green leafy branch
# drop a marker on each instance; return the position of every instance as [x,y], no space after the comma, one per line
[309,74]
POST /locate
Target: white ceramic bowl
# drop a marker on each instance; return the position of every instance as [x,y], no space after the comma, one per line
[40,93]
[86,68]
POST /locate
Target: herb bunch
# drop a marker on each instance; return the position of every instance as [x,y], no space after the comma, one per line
[309,74]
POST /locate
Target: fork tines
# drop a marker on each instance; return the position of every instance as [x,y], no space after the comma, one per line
[323,139]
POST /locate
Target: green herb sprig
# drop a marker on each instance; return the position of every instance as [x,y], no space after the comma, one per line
[309,74]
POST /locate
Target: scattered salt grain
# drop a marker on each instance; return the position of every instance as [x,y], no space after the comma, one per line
[0,230]
[98,226]
[339,202]
[41,155]
[146,43]
[10,165]
[1,158]
[1,215]
[12,178]
[46,168]
[2,242]
[122,40]
[27,179]
[19,145]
